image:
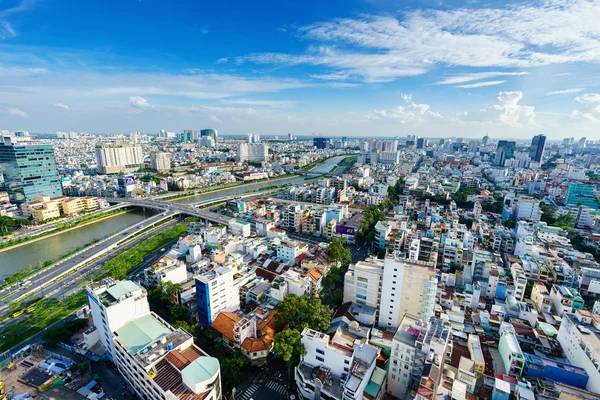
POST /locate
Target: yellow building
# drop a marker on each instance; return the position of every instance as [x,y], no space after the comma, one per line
[476,355]
[44,208]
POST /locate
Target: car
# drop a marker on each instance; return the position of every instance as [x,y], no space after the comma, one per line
[17,314]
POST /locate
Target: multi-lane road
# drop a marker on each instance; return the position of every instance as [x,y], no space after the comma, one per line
[44,280]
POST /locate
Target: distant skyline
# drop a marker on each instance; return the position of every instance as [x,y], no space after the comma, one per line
[337,68]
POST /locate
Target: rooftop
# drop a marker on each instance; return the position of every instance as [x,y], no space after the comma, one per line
[140,332]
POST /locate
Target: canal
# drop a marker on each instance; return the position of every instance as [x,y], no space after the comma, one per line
[53,247]
[238,190]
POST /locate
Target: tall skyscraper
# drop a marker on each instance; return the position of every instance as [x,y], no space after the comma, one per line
[420,143]
[121,157]
[189,135]
[504,151]
[160,161]
[321,142]
[257,152]
[485,140]
[210,132]
[29,169]
[536,151]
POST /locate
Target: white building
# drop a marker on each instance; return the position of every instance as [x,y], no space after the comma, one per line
[288,250]
[363,282]
[160,161]
[527,208]
[581,345]
[215,292]
[239,228]
[335,368]
[256,152]
[409,287]
[113,304]
[115,158]
[159,362]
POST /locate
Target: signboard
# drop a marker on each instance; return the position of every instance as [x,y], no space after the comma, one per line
[344,230]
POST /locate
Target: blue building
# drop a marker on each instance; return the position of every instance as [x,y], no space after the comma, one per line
[215,292]
[29,169]
[540,367]
[321,142]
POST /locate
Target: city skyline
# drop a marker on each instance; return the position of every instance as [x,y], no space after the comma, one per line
[340,69]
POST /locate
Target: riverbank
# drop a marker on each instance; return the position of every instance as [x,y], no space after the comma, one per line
[58,231]
[199,193]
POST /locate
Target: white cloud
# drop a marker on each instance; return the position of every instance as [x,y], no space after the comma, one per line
[6,30]
[410,113]
[588,98]
[139,102]
[269,103]
[508,111]
[20,71]
[480,84]
[566,91]
[15,112]
[476,77]
[383,48]
[336,76]
[222,60]
[63,106]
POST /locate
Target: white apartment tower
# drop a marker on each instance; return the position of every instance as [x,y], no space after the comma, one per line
[115,158]
[257,152]
[159,362]
[160,161]
[409,287]
[363,283]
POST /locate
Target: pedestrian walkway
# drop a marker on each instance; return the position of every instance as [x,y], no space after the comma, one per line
[277,387]
[247,394]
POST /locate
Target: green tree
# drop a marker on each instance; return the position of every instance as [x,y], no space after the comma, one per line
[7,225]
[186,326]
[331,278]
[509,223]
[303,312]
[288,347]
[338,253]
[548,213]
[231,376]
[179,313]
[565,221]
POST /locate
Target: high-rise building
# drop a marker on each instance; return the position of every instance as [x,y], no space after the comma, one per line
[321,142]
[158,361]
[582,142]
[29,169]
[362,283]
[290,137]
[120,157]
[210,132]
[215,293]
[160,161]
[485,140]
[256,152]
[189,135]
[206,141]
[536,152]
[420,143]
[581,193]
[504,151]
[409,286]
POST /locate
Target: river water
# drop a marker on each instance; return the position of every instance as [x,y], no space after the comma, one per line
[52,248]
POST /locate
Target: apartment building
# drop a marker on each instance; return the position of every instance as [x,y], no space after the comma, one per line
[408,287]
[541,298]
[335,368]
[581,344]
[160,161]
[565,299]
[122,157]
[215,293]
[159,362]
[363,283]
[510,351]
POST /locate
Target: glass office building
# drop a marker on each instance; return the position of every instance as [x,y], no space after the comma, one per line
[29,169]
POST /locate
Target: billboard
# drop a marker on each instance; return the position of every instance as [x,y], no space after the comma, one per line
[344,230]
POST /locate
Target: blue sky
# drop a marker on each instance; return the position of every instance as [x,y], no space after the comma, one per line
[354,68]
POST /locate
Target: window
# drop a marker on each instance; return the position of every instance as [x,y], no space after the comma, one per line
[346,369]
[361,279]
[320,359]
[319,351]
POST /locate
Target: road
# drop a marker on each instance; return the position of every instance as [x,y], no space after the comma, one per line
[74,282]
[48,274]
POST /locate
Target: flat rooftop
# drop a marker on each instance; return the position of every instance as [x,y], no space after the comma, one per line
[403,334]
[140,332]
